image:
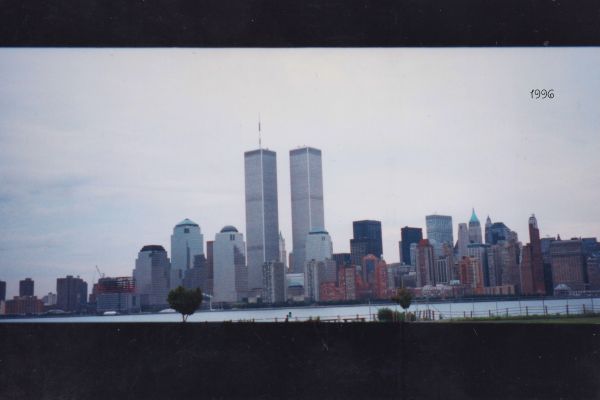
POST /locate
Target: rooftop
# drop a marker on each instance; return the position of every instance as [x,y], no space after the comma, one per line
[152,247]
[187,222]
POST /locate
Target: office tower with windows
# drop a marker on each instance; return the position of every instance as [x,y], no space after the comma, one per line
[532,264]
[568,263]
[463,240]
[262,216]
[366,240]
[26,287]
[439,228]
[424,263]
[187,242]
[409,236]
[274,282]
[306,179]
[71,293]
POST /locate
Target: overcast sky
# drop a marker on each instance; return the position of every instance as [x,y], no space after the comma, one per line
[103,151]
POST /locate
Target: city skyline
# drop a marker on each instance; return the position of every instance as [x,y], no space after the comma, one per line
[81,188]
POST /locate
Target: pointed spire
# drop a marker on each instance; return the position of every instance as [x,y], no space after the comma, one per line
[474,217]
[488,221]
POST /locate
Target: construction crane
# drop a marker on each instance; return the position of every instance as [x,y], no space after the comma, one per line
[99,273]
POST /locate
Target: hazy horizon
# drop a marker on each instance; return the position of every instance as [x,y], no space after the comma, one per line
[103,151]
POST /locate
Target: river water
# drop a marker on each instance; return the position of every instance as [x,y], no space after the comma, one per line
[434,310]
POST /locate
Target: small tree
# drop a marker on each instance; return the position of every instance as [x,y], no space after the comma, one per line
[185,301]
[404,298]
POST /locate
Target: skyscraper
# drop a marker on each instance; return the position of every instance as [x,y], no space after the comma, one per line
[187,242]
[463,240]
[497,232]
[2,290]
[479,252]
[439,228]
[230,271]
[262,217]
[474,229]
[532,266]
[488,225]
[367,240]
[408,236]
[424,263]
[26,287]
[71,293]
[306,179]
[274,282]
[282,252]
[209,266]
[151,275]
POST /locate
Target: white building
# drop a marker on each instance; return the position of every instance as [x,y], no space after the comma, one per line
[306,180]
[318,246]
[187,243]
[50,299]
[229,266]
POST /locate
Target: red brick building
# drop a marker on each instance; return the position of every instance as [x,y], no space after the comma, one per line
[24,305]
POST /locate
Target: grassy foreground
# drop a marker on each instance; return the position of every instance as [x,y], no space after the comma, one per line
[589,318]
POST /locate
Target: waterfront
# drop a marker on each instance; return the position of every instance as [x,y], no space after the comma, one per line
[433,310]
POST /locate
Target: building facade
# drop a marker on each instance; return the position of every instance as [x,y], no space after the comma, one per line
[439,228]
[568,263]
[408,236]
[463,240]
[366,240]
[26,287]
[532,266]
[71,294]
[151,275]
[274,282]
[20,305]
[424,263]
[229,260]
[474,229]
[262,215]
[479,252]
[187,243]
[116,294]
[318,246]
[306,180]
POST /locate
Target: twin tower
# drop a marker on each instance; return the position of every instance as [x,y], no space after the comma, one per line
[262,214]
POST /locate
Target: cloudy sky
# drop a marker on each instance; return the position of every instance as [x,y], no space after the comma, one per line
[103,151]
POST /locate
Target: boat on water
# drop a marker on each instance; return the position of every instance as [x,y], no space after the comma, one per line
[110,313]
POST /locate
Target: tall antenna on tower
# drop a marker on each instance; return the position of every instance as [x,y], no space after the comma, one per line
[259,137]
